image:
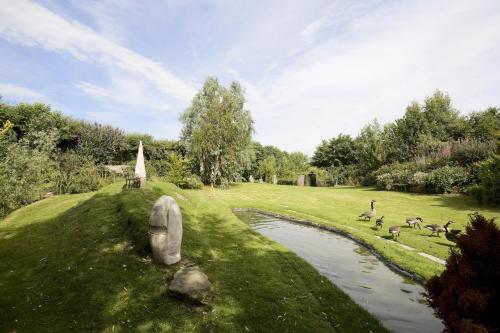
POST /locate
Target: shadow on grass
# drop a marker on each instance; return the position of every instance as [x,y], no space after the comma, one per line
[88,270]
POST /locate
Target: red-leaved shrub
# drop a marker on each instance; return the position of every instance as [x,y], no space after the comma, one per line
[466,294]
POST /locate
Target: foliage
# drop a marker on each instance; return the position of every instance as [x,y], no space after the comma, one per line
[190,182]
[468,151]
[335,152]
[217,131]
[24,177]
[178,173]
[396,174]
[177,168]
[489,176]
[484,126]
[370,146]
[6,127]
[448,179]
[466,294]
[102,143]
[77,174]
[267,168]
[344,174]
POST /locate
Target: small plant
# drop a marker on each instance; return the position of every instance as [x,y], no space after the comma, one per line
[466,295]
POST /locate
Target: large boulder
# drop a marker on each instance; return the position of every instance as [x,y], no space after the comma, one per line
[165,231]
[190,284]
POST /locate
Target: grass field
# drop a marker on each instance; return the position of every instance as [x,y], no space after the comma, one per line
[340,207]
[79,263]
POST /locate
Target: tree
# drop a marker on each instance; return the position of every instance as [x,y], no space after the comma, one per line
[370,145]
[217,132]
[484,125]
[466,295]
[443,121]
[267,168]
[335,152]
[100,142]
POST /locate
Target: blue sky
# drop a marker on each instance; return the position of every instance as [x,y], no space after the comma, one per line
[311,69]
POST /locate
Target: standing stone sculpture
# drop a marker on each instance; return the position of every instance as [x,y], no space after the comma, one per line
[275,180]
[140,169]
[165,231]
[250,179]
[300,180]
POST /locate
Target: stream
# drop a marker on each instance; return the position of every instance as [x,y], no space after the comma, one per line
[392,298]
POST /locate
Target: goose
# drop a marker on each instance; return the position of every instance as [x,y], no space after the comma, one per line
[379,222]
[394,231]
[414,222]
[369,213]
[452,234]
[437,229]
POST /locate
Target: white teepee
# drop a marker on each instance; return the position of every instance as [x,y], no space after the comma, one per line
[140,169]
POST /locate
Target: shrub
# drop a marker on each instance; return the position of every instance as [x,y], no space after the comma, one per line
[190,182]
[78,174]
[287,181]
[344,175]
[475,191]
[468,151]
[447,179]
[489,176]
[24,177]
[398,173]
[466,295]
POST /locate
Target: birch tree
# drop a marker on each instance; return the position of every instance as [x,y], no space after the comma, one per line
[217,132]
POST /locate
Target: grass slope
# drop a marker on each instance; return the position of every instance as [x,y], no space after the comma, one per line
[77,263]
[341,206]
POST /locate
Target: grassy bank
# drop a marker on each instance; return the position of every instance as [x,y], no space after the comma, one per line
[79,263]
[340,207]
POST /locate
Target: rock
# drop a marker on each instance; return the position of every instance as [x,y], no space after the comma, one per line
[250,179]
[300,180]
[165,231]
[275,180]
[190,284]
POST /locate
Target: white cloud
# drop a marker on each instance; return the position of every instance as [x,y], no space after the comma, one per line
[374,64]
[30,24]
[18,93]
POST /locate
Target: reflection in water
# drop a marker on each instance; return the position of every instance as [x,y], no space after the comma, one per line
[395,300]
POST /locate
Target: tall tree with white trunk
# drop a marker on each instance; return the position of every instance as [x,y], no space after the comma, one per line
[217,132]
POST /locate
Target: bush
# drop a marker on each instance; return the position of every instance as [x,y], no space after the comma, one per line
[287,181]
[466,295]
[475,191]
[469,151]
[388,176]
[190,182]
[24,177]
[448,179]
[489,176]
[78,174]
[344,175]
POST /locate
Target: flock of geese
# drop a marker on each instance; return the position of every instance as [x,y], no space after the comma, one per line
[413,222]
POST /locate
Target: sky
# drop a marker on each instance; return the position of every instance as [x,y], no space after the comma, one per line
[311,69]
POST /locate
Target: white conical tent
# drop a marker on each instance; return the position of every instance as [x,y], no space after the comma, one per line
[140,169]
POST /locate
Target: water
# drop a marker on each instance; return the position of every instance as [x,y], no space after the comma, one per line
[396,301]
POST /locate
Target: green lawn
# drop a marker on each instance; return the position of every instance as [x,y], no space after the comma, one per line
[79,263]
[340,207]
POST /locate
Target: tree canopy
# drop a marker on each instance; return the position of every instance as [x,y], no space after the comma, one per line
[217,132]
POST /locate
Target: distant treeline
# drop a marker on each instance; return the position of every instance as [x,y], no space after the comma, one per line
[432,148]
